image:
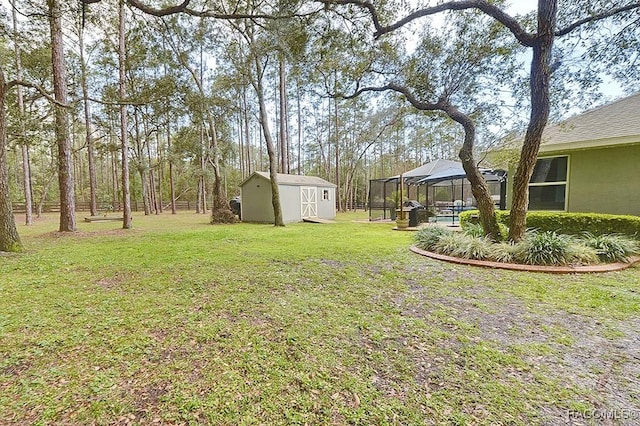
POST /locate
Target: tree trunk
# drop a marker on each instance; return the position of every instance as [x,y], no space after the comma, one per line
[28,191]
[140,164]
[199,196]
[284,117]
[539,86]
[202,208]
[26,164]
[93,203]
[247,139]
[220,210]
[9,239]
[299,112]
[339,192]
[114,180]
[160,178]
[273,161]
[157,186]
[63,141]
[479,187]
[172,183]
[124,139]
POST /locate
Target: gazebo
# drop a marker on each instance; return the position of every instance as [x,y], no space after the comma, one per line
[441,186]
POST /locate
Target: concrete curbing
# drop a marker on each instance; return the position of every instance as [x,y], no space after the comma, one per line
[606,267]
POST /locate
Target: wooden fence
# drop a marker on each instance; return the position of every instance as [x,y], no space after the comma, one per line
[85,207]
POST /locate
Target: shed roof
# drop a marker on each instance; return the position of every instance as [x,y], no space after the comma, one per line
[293,180]
[612,124]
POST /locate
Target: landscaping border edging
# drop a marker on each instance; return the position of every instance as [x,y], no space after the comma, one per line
[607,267]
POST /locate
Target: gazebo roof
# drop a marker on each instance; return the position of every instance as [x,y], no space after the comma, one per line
[459,173]
[439,170]
[426,169]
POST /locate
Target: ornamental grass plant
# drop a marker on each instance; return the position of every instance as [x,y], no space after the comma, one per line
[612,247]
[546,248]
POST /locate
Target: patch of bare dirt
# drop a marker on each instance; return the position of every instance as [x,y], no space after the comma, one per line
[15,370]
[601,358]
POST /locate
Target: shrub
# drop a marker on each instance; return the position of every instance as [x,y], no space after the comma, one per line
[579,253]
[504,231]
[470,224]
[543,248]
[447,244]
[427,237]
[472,247]
[568,223]
[462,245]
[505,252]
[473,230]
[468,216]
[613,247]
[538,247]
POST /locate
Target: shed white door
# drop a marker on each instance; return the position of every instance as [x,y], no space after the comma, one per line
[309,201]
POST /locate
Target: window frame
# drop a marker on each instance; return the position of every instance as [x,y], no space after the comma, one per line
[554,183]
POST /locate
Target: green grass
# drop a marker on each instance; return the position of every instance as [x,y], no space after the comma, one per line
[179,321]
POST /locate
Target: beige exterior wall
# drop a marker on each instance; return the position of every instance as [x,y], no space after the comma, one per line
[605,180]
[600,180]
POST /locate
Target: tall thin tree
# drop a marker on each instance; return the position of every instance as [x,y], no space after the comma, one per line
[124,141]
[26,162]
[63,139]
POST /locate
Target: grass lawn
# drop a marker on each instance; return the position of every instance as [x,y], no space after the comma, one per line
[181,322]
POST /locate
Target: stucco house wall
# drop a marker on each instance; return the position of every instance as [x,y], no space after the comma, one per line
[603,150]
[605,180]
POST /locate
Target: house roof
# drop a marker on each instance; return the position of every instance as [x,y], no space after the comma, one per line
[615,123]
[293,180]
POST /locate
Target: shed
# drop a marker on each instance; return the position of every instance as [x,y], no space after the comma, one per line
[300,197]
[590,163]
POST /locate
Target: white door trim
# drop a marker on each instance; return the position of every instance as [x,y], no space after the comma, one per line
[309,201]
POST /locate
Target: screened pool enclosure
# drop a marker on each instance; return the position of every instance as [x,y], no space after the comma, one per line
[440,186]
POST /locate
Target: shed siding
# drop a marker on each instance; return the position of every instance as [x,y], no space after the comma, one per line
[256,201]
[605,180]
[290,202]
[327,208]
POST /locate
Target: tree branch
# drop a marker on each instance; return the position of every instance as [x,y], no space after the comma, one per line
[182,8]
[489,9]
[124,102]
[566,30]
[440,105]
[39,89]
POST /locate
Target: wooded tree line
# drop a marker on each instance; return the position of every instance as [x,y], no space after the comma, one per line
[105,102]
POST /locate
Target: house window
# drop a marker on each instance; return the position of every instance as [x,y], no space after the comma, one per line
[548,184]
[325,194]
